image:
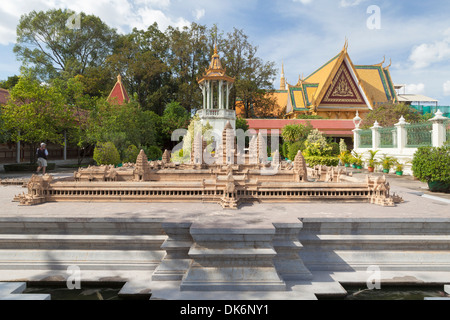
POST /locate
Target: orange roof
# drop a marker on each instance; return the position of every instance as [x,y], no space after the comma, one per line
[118,94]
[341,83]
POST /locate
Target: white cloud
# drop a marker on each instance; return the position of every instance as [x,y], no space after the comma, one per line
[350,3]
[156,4]
[427,54]
[198,13]
[303,1]
[150,16]
[446,88]
[120,14]
[412,88]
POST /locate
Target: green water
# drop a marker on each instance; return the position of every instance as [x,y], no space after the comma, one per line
[85,293]
[354,293]
[394,292]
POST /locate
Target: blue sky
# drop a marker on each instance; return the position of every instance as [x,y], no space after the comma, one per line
[303,34]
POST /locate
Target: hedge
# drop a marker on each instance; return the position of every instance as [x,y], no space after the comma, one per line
[317,160]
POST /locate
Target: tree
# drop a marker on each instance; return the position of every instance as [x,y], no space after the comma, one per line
[9,83]
[189,55]
[123,125]
[140,58]
[254,77]
[174,117]
[295,132]
[52,49]
[242,123]
[388,114]
[35,113]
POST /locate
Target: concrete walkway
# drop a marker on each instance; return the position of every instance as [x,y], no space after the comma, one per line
[419,205]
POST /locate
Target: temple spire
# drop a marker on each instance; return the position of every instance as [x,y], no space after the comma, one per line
[282,79]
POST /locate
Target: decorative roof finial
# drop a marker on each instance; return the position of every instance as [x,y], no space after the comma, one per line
[345,45]
[119,78]
[390,63]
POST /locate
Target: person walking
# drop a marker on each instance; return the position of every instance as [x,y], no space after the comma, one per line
[42,154]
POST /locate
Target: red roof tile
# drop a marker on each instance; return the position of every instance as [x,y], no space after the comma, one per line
[327,126]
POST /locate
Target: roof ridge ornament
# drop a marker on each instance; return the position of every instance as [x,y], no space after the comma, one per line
[390,63]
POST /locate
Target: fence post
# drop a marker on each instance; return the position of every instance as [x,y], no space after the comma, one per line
[438,136]
[356,138]
[375,135]
[401,133]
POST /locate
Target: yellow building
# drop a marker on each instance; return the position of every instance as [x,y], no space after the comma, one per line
[336,90]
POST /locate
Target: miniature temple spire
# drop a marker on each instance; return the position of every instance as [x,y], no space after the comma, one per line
[301,173]
[166,156]
[142,167]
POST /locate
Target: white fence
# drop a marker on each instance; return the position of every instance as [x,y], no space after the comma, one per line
[402,140]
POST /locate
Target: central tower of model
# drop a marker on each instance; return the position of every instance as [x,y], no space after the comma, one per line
[216,86]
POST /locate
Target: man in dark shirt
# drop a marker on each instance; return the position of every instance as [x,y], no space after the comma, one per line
[42,154]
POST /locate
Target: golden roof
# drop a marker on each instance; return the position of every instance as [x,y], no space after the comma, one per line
[215,70]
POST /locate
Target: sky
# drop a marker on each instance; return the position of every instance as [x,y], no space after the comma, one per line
[302,34]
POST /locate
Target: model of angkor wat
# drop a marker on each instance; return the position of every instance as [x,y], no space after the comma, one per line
[233,178]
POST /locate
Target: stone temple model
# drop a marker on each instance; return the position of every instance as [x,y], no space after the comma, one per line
[229,176]
[232,179]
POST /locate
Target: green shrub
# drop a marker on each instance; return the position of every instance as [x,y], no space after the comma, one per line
[322,160]
[335,149]
[293,149]
[153,152]
[130,154]
[106,153]
[316,144]
[285,149]
[432,164]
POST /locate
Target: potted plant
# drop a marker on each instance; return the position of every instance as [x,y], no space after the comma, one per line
[398,168]
[432,165]
[357,159]
[387,162]
[353,161]
[344,156]
[371,162]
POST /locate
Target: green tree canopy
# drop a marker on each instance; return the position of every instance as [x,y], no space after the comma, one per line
[295,132]
[10,82]
[388,114]
[47,43]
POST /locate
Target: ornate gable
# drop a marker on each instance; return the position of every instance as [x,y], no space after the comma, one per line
[343,89]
